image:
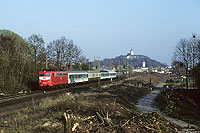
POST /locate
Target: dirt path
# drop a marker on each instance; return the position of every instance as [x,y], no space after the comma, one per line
[145,105]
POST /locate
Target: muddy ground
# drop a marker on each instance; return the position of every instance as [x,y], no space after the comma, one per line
[107,108]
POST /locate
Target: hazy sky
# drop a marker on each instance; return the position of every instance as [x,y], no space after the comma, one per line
[106,28]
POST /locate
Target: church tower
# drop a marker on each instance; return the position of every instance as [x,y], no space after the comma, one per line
[131,52]
[130,55]
[143,64]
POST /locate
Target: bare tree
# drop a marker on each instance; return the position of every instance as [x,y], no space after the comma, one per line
[63,54]
[110,64]
[183,53]
[37,49]
[194,49]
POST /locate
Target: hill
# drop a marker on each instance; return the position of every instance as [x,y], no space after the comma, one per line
[134,60]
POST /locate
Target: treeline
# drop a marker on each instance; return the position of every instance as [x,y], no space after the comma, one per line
[22,59]
[186,59]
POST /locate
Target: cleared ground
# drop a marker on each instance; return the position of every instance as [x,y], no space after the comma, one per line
[108,108]
[182,104]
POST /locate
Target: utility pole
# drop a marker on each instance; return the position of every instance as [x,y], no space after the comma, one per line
[126,69]
[193,59]
[95,66]
[98,66]
[46,63]
[70,60]
[119,66]
[119,70]
[89,66]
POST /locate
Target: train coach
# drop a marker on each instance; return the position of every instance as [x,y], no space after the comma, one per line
[93,75]
[107,74]
[77,77]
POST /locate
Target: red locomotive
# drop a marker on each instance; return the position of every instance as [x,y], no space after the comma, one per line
[51,78]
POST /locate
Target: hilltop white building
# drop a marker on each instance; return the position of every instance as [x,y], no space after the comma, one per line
[130,55]
[143,64]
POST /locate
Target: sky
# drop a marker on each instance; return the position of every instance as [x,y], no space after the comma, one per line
[106,28]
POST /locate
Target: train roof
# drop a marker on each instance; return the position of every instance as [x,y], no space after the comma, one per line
[103,71]
[52,71]
[77,72]
[93,71]
[109,71]
[64,71]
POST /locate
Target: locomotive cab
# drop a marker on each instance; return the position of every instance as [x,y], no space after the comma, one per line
[45,79]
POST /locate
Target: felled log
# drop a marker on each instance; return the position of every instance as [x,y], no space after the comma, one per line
[75,126]
[88,118]
[65,116]
[100,118]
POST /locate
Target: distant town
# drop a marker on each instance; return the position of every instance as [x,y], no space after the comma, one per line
[131,63]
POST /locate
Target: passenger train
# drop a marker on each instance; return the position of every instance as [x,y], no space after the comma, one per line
[53,78]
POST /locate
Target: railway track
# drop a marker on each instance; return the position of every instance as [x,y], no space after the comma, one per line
[10,97]
[15,96]
[14,103]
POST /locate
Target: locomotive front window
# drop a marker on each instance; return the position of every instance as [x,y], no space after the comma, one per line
[47,74]
[41,74]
